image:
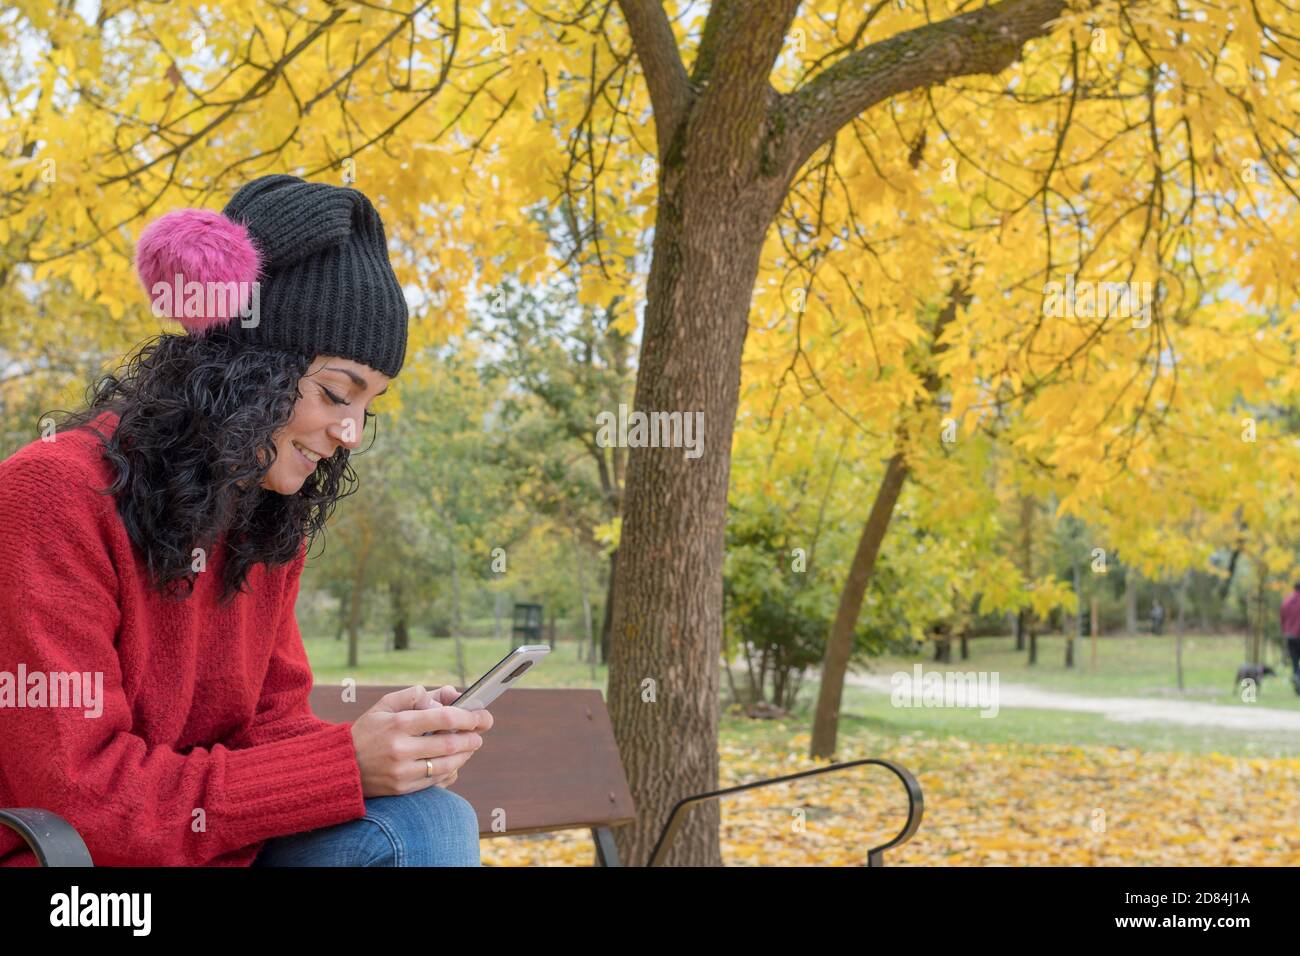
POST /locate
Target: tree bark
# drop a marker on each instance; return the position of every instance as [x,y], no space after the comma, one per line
[667,602]
[840,646]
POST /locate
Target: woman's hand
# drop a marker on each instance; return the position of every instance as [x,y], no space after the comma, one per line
[446,695]
[391,748]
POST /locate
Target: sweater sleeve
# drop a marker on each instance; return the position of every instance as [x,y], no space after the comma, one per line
[134,803]
[284,708]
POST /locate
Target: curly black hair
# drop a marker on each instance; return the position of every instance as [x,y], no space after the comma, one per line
[194,412]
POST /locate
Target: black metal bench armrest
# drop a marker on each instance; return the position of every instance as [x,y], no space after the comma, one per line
[53,839]
[875,856]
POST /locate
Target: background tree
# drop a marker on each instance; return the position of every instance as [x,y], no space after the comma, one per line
[558,365]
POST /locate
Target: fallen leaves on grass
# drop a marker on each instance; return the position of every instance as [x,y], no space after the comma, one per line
[989,804]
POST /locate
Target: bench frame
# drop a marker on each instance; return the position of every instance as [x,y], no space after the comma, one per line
[57,843]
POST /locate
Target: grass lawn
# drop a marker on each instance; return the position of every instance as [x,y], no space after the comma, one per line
[1137,667]
[1126,667]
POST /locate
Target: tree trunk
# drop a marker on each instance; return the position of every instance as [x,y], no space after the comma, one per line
[1078,617]
[589,628]
[780,684]
[455,621]
[1026,616]
[840,646]
[354,636]
[731,682]
[356,599]
[755,692]
[401,631]
[1094,629]
[1182,623]
[667,620]
[1203,616]
[1257,652]
[607,625]
[354,617]
[1130,602]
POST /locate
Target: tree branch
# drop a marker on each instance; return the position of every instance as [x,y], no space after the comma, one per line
[987,41]
[661,62]
[740,44]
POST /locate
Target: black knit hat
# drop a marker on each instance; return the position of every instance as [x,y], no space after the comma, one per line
[319,255]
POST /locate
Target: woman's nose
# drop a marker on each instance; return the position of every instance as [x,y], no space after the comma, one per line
[346,432]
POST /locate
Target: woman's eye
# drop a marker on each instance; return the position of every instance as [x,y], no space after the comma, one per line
[332,397]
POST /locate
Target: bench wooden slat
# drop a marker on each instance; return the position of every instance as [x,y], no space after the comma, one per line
[549,762]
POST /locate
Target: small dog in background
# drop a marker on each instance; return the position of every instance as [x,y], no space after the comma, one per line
[1254,673]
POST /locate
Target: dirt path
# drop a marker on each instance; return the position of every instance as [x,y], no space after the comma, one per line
[1131,709]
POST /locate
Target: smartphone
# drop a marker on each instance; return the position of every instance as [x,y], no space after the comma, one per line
[499,679]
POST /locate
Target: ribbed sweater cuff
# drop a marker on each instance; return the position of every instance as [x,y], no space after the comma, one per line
[293,785]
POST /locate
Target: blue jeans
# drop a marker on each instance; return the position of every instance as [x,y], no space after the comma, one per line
[429,827]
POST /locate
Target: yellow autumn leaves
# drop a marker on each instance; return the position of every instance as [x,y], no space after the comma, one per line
[991,804]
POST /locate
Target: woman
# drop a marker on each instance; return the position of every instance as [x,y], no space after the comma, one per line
[153,681]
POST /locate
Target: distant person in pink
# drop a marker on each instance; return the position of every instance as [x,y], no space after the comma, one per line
[1291,632]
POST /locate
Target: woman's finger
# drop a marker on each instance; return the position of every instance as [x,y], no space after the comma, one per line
[419,775]
[447,744]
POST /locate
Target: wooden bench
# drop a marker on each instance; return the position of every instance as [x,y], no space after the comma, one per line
[549,763]
[527,779]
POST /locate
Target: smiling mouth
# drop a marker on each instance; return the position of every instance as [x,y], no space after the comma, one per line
[307,454]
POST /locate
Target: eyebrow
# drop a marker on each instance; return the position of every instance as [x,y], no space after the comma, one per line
[357,380]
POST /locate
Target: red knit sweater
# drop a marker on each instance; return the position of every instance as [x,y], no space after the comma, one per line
[205,745]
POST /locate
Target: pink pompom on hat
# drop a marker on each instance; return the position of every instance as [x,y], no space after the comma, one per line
[204,246]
